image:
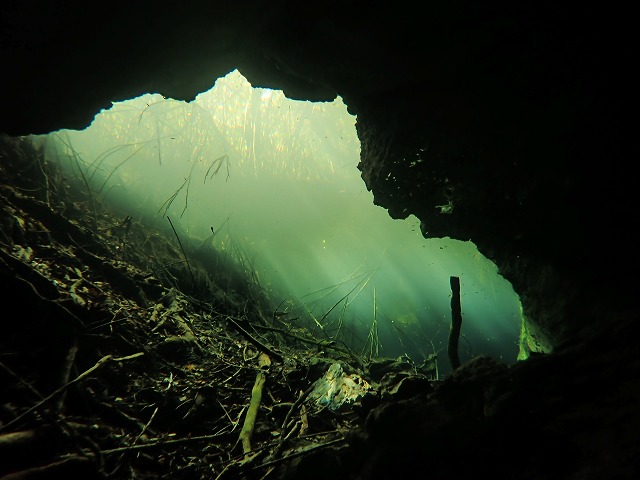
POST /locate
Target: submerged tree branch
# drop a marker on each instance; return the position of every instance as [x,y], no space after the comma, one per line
[456,322]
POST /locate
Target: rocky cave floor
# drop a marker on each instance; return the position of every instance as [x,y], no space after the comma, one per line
[120,359]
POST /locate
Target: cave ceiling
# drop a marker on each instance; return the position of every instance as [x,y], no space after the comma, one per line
[501,124]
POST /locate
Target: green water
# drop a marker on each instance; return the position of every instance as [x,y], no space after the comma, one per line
[278,178]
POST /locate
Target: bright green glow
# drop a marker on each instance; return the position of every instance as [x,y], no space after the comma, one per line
[279,178]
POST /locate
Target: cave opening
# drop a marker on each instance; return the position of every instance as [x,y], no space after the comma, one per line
[272,185]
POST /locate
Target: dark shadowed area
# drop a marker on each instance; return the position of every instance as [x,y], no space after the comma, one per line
[138,347]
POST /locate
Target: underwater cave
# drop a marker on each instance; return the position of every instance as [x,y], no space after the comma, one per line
[273,184]
[229,242]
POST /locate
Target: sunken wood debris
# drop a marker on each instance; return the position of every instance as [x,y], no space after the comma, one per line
[119,360]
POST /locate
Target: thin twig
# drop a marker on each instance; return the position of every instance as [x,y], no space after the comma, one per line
[99,363]
[66,372]
[256,342]
[162,443]
[193,279]
[293,408]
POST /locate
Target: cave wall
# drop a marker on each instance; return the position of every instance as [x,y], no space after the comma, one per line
[502,124]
